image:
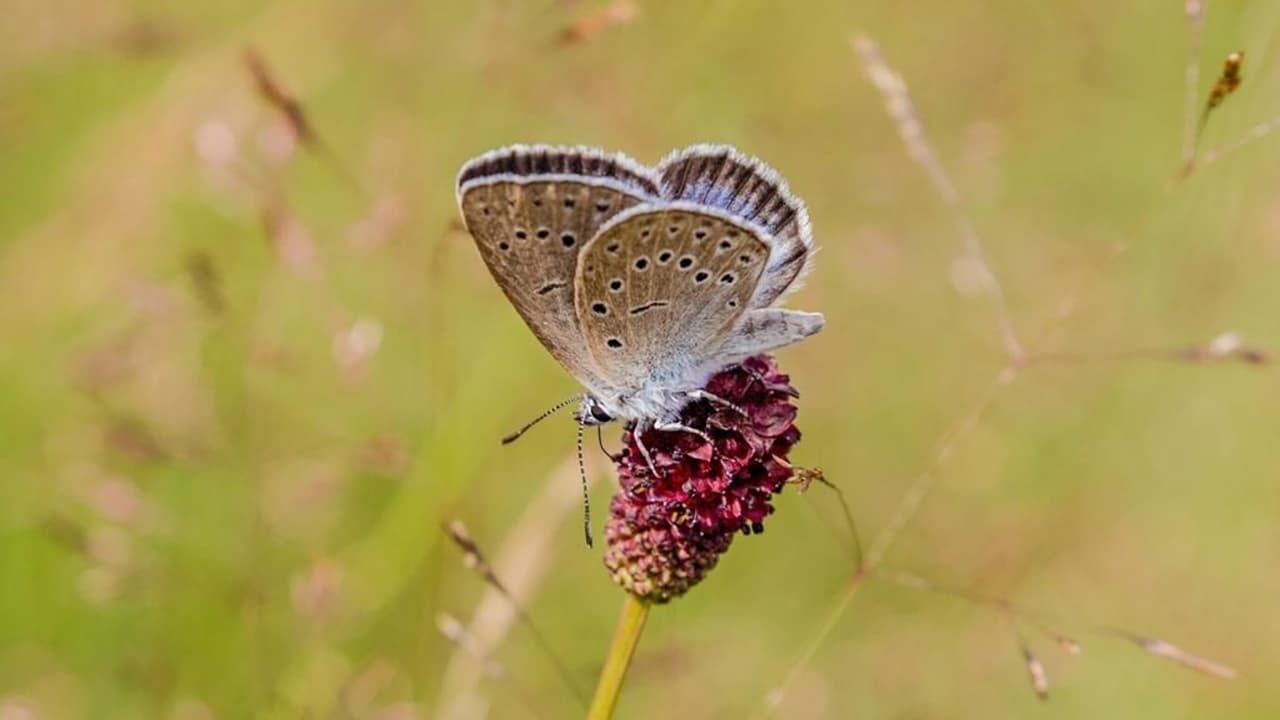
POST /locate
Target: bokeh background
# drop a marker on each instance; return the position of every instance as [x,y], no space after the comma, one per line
[244,380]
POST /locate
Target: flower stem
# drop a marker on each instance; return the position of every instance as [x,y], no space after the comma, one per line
[625,638]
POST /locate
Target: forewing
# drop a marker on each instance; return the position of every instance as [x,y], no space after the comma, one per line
[719,176]
[661,287]
[531,210]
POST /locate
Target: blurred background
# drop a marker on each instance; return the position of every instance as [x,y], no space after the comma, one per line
[245,374]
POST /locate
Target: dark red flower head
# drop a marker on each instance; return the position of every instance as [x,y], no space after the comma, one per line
[665,533]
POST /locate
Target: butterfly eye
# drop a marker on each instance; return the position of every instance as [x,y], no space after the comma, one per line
[599,415]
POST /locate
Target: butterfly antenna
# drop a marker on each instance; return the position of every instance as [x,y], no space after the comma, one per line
[586,495]
[554,409]
[603,449]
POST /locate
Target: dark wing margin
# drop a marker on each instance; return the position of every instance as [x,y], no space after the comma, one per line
[721,177]
[530,160]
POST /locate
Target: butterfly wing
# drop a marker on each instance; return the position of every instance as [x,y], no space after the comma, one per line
[719,176]
[661,287]
[531,210]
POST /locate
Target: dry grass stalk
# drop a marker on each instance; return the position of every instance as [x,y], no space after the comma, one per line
[1254,134]
[276,95]
[522,562]
[1226,347]
[1195,24]
[901,109]
[455,632]
[474,559]
[804,479]
[1036,671]
[1227,83]
[1169,651]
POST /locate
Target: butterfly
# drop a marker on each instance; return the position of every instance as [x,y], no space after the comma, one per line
[642,282]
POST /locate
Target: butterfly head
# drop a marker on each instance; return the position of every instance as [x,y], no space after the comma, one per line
[593,412]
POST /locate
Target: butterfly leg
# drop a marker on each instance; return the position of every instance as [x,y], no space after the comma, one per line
[670,426]
[638,435]
[716,399]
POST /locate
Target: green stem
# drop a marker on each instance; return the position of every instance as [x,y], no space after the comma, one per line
[625,638]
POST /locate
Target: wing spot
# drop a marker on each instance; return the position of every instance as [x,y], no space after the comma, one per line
[570,202]
[568,240]
[612,248]
[725,244]
[700,234]
[701,277]
[504,246]
[686,262]
[599,308]
[549,287]
[732,303]
[543,233]
[616,285]
[665,256]
[745,259]
[645,233]
[673,229]
[521,234]
[728,279]
[641,263]
[486,211]
[602,207]
[614,343]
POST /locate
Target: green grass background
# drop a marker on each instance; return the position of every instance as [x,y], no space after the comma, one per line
[204,515]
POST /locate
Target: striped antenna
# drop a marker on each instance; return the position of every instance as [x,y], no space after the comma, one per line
[552,411]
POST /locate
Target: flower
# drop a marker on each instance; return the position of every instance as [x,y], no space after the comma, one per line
[666,532]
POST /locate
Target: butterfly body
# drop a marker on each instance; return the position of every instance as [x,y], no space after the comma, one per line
[642,282]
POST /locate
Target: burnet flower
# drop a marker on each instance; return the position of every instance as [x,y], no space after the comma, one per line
[665,533]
